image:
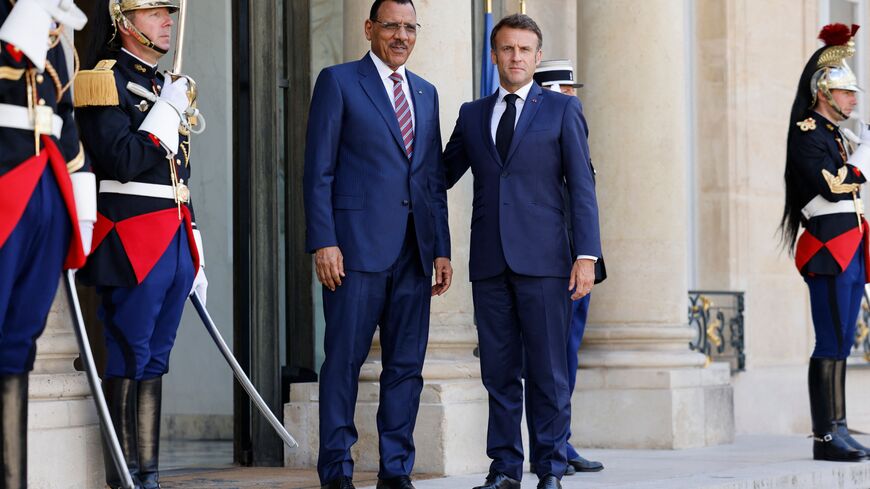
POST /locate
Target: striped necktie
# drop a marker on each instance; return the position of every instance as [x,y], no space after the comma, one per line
[403,114]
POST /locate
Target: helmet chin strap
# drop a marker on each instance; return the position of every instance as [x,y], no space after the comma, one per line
[142,38]
[829,97]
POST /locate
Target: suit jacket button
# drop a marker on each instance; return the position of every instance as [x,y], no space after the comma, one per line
[405,203]
[505,174]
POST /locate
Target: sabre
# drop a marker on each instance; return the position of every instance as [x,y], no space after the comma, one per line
[239,373]
[178,60]
[108,428]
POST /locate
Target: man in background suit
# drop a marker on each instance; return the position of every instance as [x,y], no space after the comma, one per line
[524,146]
[376,218]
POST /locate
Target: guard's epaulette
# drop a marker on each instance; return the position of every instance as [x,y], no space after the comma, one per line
[808,124]
[97,87]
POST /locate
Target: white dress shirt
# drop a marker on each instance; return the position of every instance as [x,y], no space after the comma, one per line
[498,111]
[385,71]
[501,106]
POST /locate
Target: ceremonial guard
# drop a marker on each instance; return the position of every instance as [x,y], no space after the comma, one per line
[47,198]
[147,254]
[825,167]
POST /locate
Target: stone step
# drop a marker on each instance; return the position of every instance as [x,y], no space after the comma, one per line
[752,462]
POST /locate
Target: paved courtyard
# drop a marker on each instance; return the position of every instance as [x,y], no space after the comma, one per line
[752,462]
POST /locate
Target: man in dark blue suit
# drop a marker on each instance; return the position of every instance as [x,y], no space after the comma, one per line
[525,146]
[376,218]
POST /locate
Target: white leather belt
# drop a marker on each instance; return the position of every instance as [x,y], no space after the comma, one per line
[137,188]
[821,206]
[17,117]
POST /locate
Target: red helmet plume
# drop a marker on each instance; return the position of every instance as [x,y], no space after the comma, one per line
[837,34]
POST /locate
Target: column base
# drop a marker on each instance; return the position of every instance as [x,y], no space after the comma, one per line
[63,446]
[653,408]
[450,434]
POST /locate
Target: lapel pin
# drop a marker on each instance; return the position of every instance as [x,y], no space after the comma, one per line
[420,92]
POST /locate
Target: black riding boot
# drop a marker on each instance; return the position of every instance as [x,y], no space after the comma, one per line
[121,396]
[840,407]
[149,431]
[827,444]
[13,431]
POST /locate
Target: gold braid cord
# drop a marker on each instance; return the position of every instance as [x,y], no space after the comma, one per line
[836,183]
[78,162]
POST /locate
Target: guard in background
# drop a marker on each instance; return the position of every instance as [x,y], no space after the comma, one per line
[47,198]
[558,75]
[147,254]
[823,177]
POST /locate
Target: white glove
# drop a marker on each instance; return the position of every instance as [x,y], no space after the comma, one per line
[860,158]
[27,28]
[166,115]
[176,94]
[200,285]
[85,193]
[864,132]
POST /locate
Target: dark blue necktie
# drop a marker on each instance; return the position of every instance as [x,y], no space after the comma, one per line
[505,131]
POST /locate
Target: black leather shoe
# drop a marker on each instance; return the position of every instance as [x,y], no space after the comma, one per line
[343,482]
[580,464]
[499,481]
[549,481]
[401,482]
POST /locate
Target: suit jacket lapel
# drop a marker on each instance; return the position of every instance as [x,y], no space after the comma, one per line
[486,127]
[420,99]
[374,88]
[530,109]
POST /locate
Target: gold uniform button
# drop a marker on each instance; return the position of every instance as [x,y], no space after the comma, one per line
[39,78]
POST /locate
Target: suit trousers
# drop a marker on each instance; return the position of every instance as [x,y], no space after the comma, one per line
[579,313]
[31,261]
[141,321]
[835,302]
[397,301]
[517,315]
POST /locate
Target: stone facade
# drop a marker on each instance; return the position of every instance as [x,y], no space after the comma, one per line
[687,103]
[64,450]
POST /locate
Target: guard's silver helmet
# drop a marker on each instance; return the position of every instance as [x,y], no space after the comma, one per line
[833,72]
[118,9]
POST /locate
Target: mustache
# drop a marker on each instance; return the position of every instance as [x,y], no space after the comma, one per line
[399,44]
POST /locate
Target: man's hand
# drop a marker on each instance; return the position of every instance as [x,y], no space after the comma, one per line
[582,278]
[329,263]
[443,275]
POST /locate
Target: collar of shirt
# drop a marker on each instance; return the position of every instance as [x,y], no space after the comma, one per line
[384,72]
[523,93]
[139,59]
[501,105]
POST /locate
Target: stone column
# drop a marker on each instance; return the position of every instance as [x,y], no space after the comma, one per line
[450,434]
[558,22]
[640,386]
[63,429]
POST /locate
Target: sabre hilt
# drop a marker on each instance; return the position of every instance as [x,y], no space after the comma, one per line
[192,119]
[192,94]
